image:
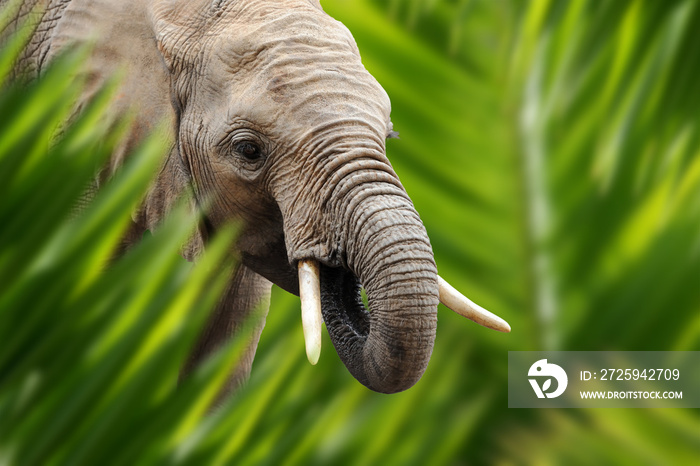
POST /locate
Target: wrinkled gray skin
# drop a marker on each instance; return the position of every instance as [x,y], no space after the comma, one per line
[275,119]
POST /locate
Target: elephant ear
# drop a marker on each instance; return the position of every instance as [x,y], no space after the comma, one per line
[122,42]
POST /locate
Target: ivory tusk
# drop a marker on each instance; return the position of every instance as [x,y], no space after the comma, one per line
[463,306]
[311,318]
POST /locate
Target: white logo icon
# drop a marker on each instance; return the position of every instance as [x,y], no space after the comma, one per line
[542,369]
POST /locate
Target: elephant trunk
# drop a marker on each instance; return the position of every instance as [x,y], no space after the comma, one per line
[388,252]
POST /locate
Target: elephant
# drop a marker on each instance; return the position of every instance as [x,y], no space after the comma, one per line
[277,125]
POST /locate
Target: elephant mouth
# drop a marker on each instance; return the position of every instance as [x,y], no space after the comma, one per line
[341,302]
[386,345]
[333,295]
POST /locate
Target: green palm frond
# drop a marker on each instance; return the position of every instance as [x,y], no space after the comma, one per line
[552,149]
[90,355]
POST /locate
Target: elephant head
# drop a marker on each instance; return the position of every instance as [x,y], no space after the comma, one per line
[282,129]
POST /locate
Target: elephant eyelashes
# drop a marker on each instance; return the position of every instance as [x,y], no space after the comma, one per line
[249,150]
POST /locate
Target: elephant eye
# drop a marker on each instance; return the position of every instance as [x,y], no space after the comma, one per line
[249,150]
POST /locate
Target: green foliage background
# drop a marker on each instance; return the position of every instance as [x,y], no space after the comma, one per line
[553,151]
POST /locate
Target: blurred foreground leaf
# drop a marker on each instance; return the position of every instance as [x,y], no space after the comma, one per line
[90,354]
[552,149]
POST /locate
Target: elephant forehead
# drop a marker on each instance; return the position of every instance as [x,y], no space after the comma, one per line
[305,100]
[304,97]
[324,88]
[261,27]
[279,19]
[300,59]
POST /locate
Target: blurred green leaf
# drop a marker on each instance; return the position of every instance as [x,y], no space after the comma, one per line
[91,354]
[553,151]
